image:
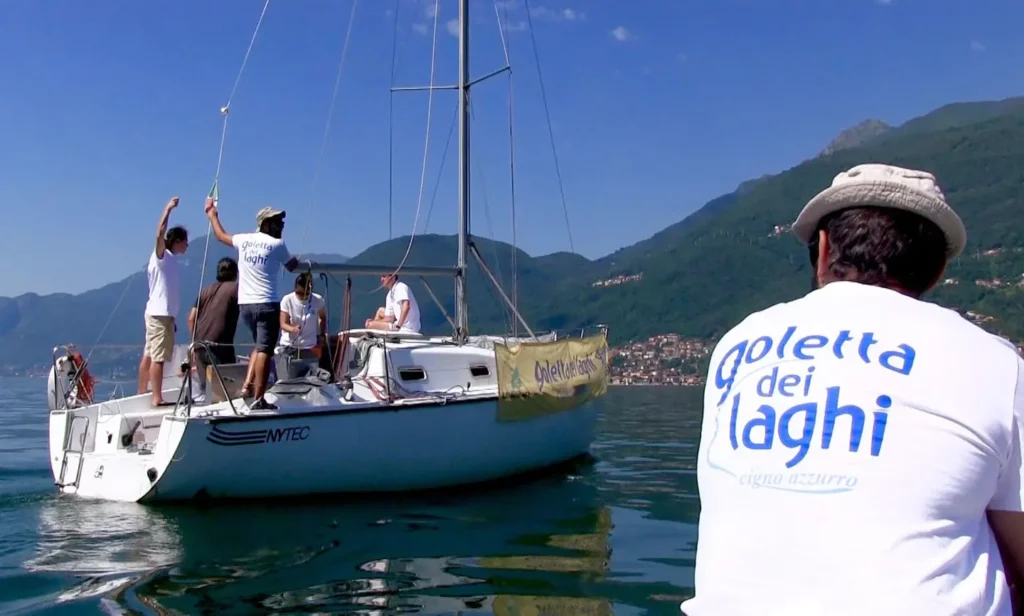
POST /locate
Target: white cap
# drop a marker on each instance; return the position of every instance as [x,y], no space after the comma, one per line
[880,185]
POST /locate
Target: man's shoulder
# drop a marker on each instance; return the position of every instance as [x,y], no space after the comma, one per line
[895,310]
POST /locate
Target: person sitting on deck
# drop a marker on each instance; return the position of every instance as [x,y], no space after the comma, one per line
[400,311]
[260,257]
[860,451]
[163,303]
[303,329]
[213,320]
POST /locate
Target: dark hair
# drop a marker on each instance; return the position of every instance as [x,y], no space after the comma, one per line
[174,235]
[227,270]
[270,222]
[882,247]
[304,280]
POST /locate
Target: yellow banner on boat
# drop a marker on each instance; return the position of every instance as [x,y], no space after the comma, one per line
[539,378]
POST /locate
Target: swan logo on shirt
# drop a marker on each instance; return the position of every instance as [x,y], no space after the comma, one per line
[775,422]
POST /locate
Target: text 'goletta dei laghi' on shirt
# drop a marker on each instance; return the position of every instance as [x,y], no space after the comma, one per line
[768,402]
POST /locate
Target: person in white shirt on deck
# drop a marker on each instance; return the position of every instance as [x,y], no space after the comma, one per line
[400,311]
[162,306]
[860,451]
[303,327]
[260,257]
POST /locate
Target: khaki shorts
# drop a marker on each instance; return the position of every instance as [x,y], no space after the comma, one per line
[159,338]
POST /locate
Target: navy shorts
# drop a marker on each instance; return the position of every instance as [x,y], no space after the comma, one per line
[264,321]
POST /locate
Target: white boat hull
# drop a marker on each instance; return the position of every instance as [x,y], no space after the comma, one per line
[378,450]
[374,451]
[447,427]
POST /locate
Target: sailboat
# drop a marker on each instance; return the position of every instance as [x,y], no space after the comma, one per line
[403,412]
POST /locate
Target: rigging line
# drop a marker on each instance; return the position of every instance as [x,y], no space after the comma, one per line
[551,132]
[426,142]
[479,168]
[437,182]
[503,29]
[444,158]
[327,128]
[248,52]
[110,317]
[391,125]
[215,190]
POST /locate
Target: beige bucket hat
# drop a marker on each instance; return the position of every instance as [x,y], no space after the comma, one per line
[885,186]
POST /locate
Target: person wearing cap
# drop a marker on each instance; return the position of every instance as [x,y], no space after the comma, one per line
[860,449]
[260,257]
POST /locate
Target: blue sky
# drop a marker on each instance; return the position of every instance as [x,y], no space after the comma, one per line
[109,108]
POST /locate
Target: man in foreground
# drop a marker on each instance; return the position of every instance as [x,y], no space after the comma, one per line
[260,257]
[163,303]
[213,320]
[857,442]
[400,311]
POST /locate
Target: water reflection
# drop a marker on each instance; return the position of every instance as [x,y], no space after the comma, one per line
[615,535]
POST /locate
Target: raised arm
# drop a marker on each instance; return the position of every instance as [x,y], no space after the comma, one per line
[218,229]
[161,227]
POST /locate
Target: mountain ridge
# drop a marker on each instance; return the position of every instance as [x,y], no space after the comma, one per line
[696,277]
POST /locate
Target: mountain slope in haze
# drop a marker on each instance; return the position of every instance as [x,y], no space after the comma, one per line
[699,276]
[857,135]
[31,324]
[729,259]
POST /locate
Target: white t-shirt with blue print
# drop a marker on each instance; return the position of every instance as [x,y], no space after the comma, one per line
[852,441]
[260,259]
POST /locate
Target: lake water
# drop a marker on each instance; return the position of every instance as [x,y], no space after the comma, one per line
[614,535]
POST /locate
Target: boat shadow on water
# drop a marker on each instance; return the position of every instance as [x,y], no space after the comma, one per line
[537,543]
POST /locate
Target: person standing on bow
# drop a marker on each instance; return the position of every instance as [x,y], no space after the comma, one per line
[260,257]
[303,327]
[163,303]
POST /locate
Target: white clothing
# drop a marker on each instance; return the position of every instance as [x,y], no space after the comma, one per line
[302,313]
[851,443]
[164,296]
[260,258]
[398,293]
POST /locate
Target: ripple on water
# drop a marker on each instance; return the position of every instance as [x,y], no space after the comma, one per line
[616,535]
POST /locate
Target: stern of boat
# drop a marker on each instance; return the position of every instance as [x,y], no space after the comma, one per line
[117,450]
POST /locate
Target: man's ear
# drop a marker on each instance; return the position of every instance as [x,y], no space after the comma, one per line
[823,249]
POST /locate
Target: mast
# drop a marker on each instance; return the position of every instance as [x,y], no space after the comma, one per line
[461,304]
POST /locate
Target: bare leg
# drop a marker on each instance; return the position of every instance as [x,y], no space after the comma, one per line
[261,374]
[156,381]
[144,367]
[249,375]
